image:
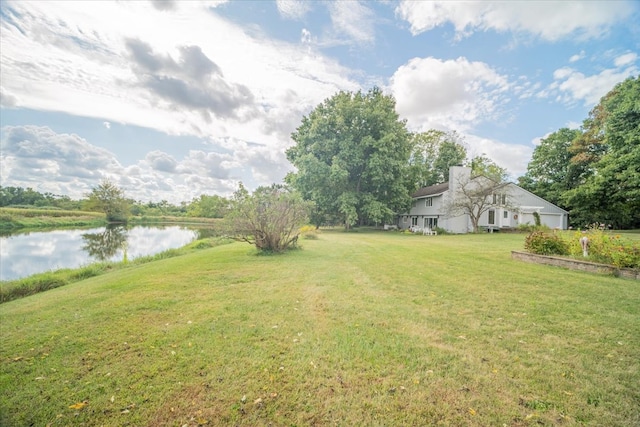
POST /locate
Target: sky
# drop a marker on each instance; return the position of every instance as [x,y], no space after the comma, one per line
[174,99]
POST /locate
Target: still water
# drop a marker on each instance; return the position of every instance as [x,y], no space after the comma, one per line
[24,254]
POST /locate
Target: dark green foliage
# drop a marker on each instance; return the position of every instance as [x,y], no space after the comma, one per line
[536,218]
[352,153]
[432,154]
[549,173]
[542,243]
[605,161]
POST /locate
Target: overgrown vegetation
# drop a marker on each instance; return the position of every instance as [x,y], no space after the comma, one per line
[604,246]
[344,332]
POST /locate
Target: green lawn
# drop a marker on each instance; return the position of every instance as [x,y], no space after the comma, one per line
[354,329]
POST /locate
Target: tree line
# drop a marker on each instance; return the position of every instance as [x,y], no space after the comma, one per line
[203,206]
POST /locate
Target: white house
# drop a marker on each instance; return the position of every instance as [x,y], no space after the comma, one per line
[510,206]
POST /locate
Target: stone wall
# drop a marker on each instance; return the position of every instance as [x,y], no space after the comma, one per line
[575,264]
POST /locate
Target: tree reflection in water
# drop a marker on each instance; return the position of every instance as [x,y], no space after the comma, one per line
[105,245]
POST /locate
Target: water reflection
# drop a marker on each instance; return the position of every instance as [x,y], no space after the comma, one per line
[35,252]
[103,246]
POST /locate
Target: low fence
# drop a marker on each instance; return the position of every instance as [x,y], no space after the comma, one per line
[575,264]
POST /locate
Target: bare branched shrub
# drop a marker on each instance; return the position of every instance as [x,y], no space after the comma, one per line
[270,218]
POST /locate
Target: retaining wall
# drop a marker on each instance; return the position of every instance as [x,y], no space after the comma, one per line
[575,264]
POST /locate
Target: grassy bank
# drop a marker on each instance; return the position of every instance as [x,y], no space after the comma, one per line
[354,329]
[16,218]
[41,282]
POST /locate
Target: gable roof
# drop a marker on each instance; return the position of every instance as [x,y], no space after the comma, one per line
[431,190]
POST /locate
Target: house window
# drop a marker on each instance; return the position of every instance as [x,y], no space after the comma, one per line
[414,220]
[428,202]
[504,200]
[404,219]
[495,199]
[414,204]
[492,217]
[505,215]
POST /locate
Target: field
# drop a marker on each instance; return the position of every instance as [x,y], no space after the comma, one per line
[353,329]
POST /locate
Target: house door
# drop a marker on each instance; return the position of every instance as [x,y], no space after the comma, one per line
[492,217]
[430,223]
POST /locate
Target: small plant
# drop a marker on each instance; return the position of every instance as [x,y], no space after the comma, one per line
[541,243]
[536,218]
[309,232]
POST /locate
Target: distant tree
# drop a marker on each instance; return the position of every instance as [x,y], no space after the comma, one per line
[270,218]
[476,193]
[110,199]
[549,173]
[351,154]
[484,166]
[21,196]
[432,154]
[208,207]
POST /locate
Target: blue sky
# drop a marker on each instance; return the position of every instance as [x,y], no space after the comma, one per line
[172,99]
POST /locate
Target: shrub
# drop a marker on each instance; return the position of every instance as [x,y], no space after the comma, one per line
[539,242]
[309,232]
[270,218]
[606,248]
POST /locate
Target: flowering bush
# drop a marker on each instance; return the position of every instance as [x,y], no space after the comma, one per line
[539,242]
[607,248]
[309,232]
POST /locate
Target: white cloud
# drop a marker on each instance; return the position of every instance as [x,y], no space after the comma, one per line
[7,100]
[78,52]
[571,85]
[293,9]
[626,59]
[451,94]
[577,57]
[354,20]
[38,157]
[548,20]
[106,124]
[513,157]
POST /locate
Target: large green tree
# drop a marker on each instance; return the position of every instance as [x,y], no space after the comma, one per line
[432,154]
[606,160]
[549,173]
[351,154]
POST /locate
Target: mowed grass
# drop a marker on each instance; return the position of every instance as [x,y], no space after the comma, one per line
[375,329]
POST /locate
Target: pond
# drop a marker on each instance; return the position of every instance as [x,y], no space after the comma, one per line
[24,254]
